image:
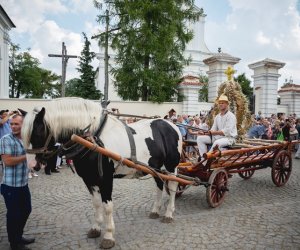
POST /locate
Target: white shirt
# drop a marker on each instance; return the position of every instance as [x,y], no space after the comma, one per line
[227,124]
[203,126]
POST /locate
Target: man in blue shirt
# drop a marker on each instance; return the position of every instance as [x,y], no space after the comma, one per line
[14,187]
[182,126]
[5,122]
[4,125]
[257,131]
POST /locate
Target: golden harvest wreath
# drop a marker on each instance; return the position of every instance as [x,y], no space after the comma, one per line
[238,104]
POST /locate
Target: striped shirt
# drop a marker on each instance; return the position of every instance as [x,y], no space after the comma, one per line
[17,175]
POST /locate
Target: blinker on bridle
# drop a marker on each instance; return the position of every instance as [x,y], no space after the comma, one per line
[49,153]
[43,150]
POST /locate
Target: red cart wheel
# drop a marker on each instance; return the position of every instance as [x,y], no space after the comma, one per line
[247,174]
[281,168]
[215,192]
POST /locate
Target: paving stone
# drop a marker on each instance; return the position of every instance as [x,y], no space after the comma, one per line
[255,215]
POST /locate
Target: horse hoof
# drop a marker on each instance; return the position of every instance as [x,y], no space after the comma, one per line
[167,220]
[107,243]
[153,215]
[93,233]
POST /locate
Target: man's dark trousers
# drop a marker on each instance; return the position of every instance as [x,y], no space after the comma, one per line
[18,204]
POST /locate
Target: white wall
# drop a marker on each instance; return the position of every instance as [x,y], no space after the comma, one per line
[292,101]
[5,25]
[4,63]
[132,107]
[283,109]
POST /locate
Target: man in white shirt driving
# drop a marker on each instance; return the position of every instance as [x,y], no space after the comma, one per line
[223,131]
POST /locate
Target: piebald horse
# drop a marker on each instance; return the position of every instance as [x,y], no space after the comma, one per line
[153,142]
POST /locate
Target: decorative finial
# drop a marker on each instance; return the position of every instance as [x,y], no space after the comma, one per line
[229,72]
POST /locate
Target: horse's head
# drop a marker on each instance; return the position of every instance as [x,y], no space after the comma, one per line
[61,118]
[35,132]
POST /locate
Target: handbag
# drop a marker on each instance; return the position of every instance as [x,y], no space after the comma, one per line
[280,137]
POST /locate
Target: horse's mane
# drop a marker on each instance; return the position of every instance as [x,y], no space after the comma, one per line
[27,127]
[63,116]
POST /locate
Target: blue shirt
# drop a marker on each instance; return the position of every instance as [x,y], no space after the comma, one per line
[17,175]
[5,128]
[182,128]
[257,131]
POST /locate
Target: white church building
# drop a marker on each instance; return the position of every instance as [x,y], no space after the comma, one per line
[5,25]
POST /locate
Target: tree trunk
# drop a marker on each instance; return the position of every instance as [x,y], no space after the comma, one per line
[144,85]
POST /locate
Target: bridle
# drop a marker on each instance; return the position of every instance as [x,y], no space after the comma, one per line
[46,153]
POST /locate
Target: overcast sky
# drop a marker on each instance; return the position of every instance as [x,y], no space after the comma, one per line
[251,30]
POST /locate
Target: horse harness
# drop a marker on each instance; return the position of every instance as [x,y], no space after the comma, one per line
[96,139]
[46,153]
[100,143]
[71,149]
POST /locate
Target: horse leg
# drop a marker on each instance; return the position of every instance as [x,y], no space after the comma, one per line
[108,238]
[158,200]
[95,231]
[172,186]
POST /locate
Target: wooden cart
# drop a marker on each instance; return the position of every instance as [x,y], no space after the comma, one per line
[242,158]
[218,166]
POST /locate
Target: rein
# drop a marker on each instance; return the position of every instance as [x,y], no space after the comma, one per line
[205,132]
[44,150]
[134,116]
[191,127]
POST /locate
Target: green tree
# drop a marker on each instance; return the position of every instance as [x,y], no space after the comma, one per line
[246,88]
[85,86]
[245,85]
[149,41]
[203,92]
[50,84]
[27,78]
[73,87]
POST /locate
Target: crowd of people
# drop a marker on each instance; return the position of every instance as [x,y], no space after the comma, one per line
[276,127]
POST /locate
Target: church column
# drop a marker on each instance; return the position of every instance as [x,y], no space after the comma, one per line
[290,98]
[218,64]
[265,85]
[189,88]
[4,86]
[196,48]
[100,80]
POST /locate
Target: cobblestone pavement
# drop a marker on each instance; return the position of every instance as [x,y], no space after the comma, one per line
[255,215]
